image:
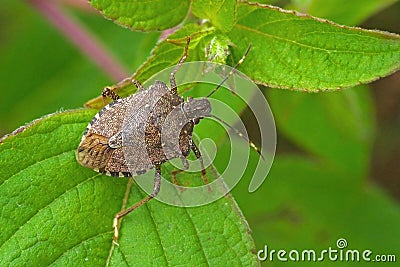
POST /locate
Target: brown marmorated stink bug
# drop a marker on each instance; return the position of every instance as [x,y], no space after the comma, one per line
[101,147]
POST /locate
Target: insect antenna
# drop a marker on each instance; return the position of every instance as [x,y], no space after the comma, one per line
[231,72]
[222,121]
[252,145]
[174,88]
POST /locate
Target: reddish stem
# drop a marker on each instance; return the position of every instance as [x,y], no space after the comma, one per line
[82,38]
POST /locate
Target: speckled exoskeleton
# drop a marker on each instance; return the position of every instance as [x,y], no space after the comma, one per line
[101,147]
[135,134]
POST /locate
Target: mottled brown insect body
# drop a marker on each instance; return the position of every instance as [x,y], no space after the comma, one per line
[135,134]
[134,128]
[97,149]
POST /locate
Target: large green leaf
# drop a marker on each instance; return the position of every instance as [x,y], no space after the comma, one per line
[288,51]
[55,211]
[295,51]
[144,15]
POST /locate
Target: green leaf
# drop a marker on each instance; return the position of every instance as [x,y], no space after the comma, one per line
[347,12]
[153,15]
[296,51]
[55,211]
[221,13]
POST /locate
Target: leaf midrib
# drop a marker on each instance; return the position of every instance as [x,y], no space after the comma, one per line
[328,51]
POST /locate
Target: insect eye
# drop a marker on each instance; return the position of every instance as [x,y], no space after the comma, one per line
[197,120]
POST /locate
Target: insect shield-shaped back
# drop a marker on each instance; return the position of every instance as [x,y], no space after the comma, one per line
[114,142]
[100,147]
[134,134]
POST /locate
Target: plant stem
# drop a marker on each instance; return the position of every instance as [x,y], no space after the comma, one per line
[82,38]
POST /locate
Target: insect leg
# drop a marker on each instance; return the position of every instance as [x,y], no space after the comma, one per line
[109,93]
[138,85]
[178,171]
[172,81]
[156,189]
[200,158]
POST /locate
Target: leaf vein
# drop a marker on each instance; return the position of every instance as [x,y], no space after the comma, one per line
[48,205]
[80,243]
[257,31]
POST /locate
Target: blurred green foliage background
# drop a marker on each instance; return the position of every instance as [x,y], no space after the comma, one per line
[336,173]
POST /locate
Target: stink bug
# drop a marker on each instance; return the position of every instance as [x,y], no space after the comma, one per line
[102,147]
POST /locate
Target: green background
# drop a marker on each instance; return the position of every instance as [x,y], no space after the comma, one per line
[336,173]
